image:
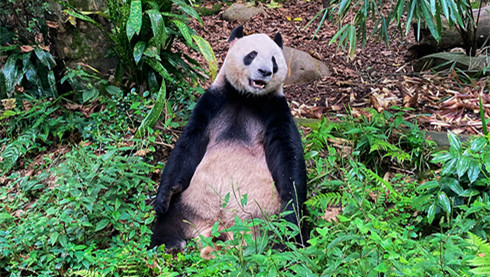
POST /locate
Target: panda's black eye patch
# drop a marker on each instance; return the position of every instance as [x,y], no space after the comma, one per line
[274,65]
[247,60]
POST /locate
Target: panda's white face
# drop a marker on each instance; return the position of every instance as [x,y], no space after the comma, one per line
[255,64]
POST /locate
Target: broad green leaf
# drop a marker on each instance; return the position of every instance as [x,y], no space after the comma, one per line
[41,55]
[454,141]
[208,54]
[155,111]
[139,48]
[10,71]
[113,90]
[158,27]
[448,167]
[428,185]
[133,26]
[184,30]
[53,238]
[431,212]
[441,157]
[90,95]
[444,201]
[470,192]
[473,171]
[101,224]
[453,184]
[152,52]
[462,166]
[478,144]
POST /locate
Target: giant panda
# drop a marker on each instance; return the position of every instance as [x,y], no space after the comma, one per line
[240,139]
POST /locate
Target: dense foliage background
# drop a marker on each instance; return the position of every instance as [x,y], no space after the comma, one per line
[82,150]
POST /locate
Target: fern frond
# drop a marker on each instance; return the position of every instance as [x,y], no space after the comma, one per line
[482,261]
[325,199]
[14,150]
[390,149]
[373,177]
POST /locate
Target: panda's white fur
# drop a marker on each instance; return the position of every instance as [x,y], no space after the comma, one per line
[240,75]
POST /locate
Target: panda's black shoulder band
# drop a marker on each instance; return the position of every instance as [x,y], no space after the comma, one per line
[236,33]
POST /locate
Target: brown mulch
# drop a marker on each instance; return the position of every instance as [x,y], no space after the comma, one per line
[379,76]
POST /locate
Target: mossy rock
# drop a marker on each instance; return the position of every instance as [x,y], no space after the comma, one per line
[204,11]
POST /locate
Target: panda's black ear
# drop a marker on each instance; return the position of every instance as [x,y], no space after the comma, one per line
[236,33]
[278,39]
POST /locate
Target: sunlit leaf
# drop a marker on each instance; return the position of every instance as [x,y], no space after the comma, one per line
[184,30]
[208,53]
[444,201]
[462,165]
[473,171]
[454,141]
[478,144]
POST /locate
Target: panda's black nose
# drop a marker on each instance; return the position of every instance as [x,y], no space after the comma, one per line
[265,72]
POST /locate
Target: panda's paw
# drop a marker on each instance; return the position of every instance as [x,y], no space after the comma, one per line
[161,204]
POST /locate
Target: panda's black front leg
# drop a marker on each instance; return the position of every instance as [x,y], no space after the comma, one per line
[188,152]
[284,154]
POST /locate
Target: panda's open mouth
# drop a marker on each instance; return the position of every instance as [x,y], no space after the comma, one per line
[258,84]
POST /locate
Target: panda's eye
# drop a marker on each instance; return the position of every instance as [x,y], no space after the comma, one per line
[247,60]
[274,65]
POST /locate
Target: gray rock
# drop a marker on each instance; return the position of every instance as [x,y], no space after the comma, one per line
[241,12]
[302,67]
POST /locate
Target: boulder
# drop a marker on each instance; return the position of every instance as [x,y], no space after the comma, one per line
[241,12]
[302,67]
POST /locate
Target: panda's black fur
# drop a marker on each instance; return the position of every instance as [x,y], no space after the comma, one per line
[231,130]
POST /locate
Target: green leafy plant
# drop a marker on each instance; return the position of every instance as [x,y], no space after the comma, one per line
[90,216]
[143,36]
[464,179]
[29,66]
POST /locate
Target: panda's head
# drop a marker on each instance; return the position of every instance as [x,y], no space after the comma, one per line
[254,64]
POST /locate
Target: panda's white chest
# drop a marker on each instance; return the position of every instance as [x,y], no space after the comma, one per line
[233,166]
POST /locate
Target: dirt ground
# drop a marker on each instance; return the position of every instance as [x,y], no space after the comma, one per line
[379,76]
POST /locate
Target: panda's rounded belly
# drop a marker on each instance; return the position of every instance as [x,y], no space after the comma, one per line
[236,170]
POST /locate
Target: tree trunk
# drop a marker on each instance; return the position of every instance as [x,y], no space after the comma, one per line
[451,37]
